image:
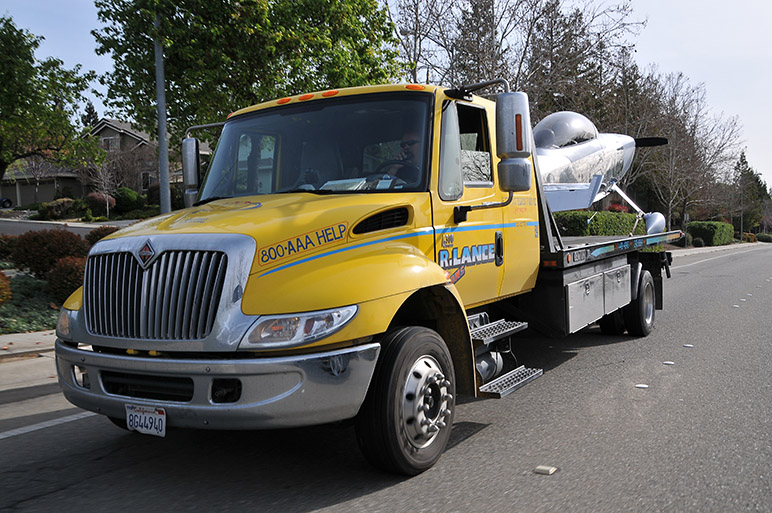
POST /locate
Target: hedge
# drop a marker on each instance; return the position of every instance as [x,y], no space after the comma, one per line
[99,233]
[764,237]
[713,233]
[584,223]
[38,251]
[65,277]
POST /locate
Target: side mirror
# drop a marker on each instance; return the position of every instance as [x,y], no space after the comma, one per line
[514,142]
[190,169]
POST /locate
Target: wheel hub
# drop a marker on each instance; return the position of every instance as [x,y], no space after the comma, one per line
[426,402]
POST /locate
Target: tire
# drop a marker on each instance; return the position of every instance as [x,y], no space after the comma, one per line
[7,203]
[639,314]
[405,422]
[613,323]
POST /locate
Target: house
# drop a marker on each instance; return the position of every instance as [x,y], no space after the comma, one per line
[131,151]
[37,181]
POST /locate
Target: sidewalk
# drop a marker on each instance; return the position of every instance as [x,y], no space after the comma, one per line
[21,344]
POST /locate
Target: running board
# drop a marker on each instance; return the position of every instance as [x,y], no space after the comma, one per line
[511,381]
[489,333]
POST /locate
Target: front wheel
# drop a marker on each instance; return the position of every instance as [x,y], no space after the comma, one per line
[639,314]
[405,422]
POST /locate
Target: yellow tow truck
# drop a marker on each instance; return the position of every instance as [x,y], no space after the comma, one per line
[362,253]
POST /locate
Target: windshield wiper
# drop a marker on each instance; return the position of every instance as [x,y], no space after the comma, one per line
[312,191]
[209,199]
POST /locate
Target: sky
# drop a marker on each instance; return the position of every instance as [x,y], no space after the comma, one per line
[726,46]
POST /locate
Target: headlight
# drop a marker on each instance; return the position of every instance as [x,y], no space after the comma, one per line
[63,324]
[282,331]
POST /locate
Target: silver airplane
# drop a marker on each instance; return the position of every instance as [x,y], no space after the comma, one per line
[580,166]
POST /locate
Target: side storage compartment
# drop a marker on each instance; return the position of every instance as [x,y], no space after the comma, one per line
[585,302]
[617,288]
[595,295]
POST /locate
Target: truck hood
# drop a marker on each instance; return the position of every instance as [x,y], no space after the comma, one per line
[285,227]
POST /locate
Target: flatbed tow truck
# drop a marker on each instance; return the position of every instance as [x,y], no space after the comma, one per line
[362,253]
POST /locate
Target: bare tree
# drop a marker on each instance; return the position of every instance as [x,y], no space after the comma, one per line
[103,176]
[700,146]
[36,168]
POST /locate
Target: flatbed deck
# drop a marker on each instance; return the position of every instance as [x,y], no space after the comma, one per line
[579,250]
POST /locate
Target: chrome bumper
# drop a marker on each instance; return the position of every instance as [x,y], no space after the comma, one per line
[275,392]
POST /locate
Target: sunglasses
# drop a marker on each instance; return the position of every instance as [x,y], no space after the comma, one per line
[405,144]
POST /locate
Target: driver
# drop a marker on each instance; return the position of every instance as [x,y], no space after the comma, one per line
[411,148]
[409,157]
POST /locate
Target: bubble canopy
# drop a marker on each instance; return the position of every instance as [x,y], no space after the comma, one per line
[562,129]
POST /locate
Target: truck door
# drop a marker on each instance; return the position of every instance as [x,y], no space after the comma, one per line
[470,250]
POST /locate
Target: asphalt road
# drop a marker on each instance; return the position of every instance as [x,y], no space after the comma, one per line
[698,439]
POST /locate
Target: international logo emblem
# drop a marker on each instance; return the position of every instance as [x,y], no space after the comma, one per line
[146,253]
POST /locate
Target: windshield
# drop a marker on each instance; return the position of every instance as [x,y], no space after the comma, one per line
[374,143]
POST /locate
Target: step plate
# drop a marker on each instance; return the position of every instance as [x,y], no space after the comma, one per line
[489,333]
[511,381]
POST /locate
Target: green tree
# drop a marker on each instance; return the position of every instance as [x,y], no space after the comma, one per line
[221,55]
[38,100]
[90,117]
[751,193]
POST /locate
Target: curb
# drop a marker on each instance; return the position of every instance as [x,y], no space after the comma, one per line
[5,355]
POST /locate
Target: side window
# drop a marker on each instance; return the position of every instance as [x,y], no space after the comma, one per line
[451,185]
[476,162]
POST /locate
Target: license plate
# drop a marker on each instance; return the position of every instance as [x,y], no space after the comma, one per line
[145,419]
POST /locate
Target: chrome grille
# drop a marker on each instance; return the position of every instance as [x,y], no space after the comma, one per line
[175,298]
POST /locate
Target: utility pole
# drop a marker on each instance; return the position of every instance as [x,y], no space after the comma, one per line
[163,142]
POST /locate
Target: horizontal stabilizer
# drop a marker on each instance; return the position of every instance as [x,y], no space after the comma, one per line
[572,196]
[646,142]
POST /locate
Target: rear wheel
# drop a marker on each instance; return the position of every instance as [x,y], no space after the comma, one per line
[639,314]
[405,422]
[613,323]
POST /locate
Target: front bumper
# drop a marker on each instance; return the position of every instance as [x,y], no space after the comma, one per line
[274,392]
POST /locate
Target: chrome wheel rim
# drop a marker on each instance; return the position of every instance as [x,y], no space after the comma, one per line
[426,402]
[648,305]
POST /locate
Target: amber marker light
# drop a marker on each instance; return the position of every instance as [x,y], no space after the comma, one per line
[415,87]
[327,94]
[283,101]
[305,97]
[229,115]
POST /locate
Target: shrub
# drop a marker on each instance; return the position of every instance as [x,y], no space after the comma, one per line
[65,277]
[57,209]
[764,237]
[618,207]
[713,233]
[30,308]
[6,246]
[684,241]
[5,288]
[749,237]
[698,242]
[38,251]
[583,223]
[29,206]
[144,213]
[100,233]
[96,202]
[127,200]
[87,216]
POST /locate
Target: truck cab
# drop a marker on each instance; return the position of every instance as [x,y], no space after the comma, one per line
[352,253]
